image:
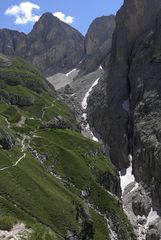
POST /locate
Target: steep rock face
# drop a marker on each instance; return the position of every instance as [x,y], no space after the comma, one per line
[145,84]
[133,19]
[98,32]
[12,42]
[51,46]
[98,42]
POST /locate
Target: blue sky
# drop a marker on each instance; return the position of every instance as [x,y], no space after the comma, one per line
[21,15]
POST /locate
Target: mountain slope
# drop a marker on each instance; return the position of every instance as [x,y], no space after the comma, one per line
[52,179]
[52,45]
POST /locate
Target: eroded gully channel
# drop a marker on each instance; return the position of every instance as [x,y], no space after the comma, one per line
[87,131]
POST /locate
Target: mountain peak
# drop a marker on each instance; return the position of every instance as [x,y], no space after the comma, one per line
[45,22]
[47,15]
[49,18]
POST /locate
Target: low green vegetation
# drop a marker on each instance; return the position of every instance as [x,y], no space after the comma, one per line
[100,226]
[7,222]
[45,172]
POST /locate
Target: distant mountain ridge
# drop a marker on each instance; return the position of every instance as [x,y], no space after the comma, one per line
[51,46]
[54,46]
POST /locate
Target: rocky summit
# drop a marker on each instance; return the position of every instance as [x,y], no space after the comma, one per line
[52,45]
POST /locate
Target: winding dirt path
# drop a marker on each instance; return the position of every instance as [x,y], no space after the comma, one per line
[23,146]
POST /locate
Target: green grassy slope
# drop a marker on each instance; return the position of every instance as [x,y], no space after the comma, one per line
[43,172]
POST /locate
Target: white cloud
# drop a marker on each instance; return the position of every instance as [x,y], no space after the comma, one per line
[23,12]
[64,18]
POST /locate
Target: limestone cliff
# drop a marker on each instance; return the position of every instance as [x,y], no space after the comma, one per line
[144,76]
[113,115]
[97,43]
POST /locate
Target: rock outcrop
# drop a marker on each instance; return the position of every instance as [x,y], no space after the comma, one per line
[12,42]
[52,45]
[97,43]
[56,123]
[111,183]
[7,140]
[153,234]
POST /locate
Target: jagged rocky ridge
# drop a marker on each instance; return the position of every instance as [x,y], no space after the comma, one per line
[52,46]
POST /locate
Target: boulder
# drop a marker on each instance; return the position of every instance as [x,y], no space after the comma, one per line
[153,234]
[141,204]
[56,123]
[22,101]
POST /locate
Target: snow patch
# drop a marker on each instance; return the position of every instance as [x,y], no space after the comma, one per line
[135,187]
[100,67]
[126,176]
[140,223]
[84,116]
[153,215]
[143,228]
[84,102]
[88,130]
[67,74]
